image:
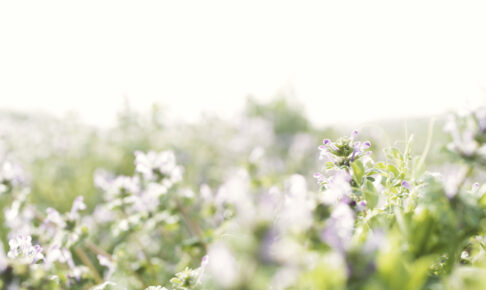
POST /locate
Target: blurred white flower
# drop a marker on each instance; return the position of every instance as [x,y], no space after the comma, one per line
[222,265]
[339,228]
[110,265]
[296,212]
[11,174]
[78,205]
[337,187]
[22,250]
[158,166]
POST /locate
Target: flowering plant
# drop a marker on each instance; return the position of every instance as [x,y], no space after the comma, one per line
[367,222]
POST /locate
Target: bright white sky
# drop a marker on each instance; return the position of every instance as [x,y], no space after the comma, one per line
[345,60]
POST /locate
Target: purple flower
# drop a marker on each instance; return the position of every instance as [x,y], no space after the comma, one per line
[361,206]
[325,154]
[366,145]
[475,186]
[329,143]
[205,260]
[358,149]
[406,185]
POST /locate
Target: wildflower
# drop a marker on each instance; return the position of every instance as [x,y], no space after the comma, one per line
[359,148]
[361,205]
[329,144]
[223,265]
[205,261]
[202,269]
[22,250]
[59,254]
[11,175]
[78,205]
[339,228]
[406,185]
[104,261]
[337,188]
[353,135]
[158,166]
[326,155]
[54,217]
[296,212]
[122,186]
[320,178]
[345,150]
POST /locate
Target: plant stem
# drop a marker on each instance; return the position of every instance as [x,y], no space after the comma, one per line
[87,262]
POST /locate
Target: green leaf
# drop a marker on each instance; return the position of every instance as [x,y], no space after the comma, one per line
[380,165]
[391,168]
[358,171]
[370,194]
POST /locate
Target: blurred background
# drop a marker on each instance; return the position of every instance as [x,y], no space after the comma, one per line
[83,85]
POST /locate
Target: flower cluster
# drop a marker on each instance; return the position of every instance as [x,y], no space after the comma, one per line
[345,150]
[22,250]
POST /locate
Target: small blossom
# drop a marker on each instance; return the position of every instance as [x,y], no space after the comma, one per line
[361,206]
[110,265]
[78,205]
[475,187]
[354,134]
[123,186]
[359,148]
[205,261]
[160,165]
[54,217]
[11,174]
[406,185]
[319,178]
[366,145]
[337,187]
[22,250]
[329,143]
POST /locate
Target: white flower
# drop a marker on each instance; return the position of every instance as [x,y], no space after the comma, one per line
[337,188]
[54,217]
[122,186]
[11,173]
[339,228]
[296,212]
[160,165]
[222,265]
[110,265]
[78,205]
[21,249]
